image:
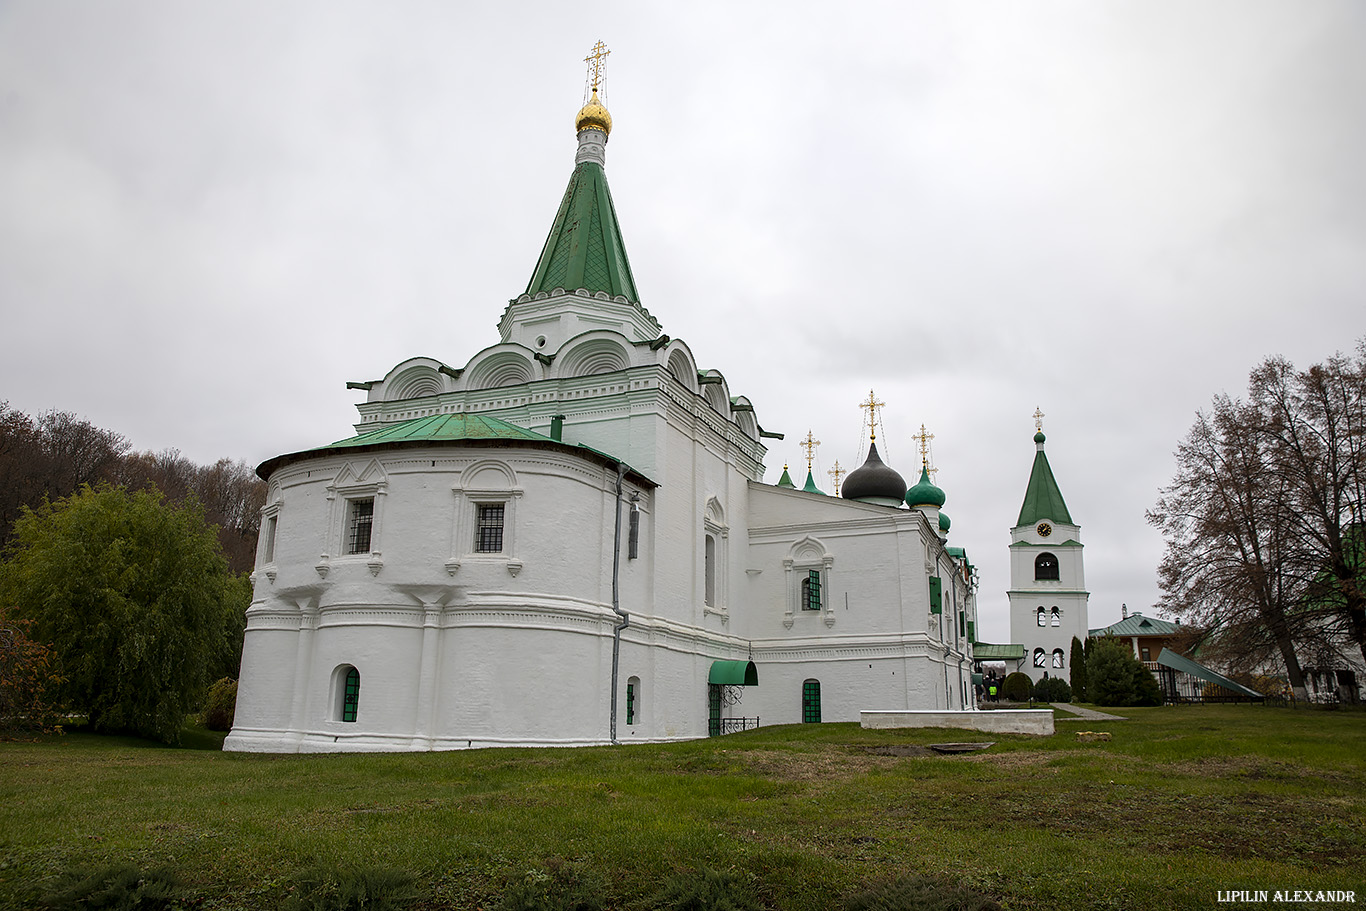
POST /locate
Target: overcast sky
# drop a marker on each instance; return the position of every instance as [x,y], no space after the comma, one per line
[213,215]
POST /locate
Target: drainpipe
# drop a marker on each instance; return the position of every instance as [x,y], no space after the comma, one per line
[625,619]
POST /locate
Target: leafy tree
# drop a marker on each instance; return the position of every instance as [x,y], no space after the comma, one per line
[1114,677]
[133,593]
[28,680]
[1078,672]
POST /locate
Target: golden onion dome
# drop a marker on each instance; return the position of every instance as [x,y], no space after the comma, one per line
[593,115]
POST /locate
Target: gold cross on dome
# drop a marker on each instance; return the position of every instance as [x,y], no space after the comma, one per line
[597,59]
[809,444]
[872,405]
[837,472]
[923,438]
[1038,420]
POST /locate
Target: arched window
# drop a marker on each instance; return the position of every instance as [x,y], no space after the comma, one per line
[811,590]
[1040,658]
[1043,617]
[709,568]
[811,702]
[1055,617]
[347,683]
[1057,657]
[1046,568]
[632,700]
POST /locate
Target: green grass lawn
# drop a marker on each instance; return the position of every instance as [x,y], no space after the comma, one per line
[1184,802]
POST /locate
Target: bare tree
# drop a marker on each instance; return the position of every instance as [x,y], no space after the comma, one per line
[1316,422]
[1227,522]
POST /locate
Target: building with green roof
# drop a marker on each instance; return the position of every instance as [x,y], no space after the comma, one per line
[565,538]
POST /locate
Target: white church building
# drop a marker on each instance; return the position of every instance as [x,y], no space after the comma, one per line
[567,540]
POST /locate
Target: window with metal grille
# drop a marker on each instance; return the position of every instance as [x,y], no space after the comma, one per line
[350,695]
[631,701]
[1043,617]
[709,571]
[488,537]
[1040,658]
[1055,617]
[359,523]
[1057,657]
[811,702]
[811,590]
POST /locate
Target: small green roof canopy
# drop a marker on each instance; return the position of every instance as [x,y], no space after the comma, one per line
[986,651]
[734,673]
[1176,662]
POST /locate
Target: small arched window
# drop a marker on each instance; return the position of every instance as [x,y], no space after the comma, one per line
[1055,617]
[1057,657]
[709,568]
[1040,658]
[1046,568]
[1043,617]
[811,702]
[348,693]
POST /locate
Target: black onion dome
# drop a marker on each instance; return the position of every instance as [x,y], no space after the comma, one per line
[874,478]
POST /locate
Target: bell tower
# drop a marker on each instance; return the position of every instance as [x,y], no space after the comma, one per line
[1048,596]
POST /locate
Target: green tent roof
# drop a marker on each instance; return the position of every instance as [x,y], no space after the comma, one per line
[1042,499]
[811,484]
[1138,625]
[585,249]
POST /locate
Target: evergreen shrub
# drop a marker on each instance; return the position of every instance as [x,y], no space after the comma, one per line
[1017,687]
[706,890]
[1114,677]
[221,705]
[364,889]
[120,888]
[1054,689]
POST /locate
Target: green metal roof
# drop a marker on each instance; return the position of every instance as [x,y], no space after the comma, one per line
[734,673]
[786,480]
[986,651]
[1042,499]
[441,427]
[1171,659]
[811,484]
[584,248]
[449,428]
[1138,625]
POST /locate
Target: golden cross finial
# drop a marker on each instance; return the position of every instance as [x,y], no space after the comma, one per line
[809,444]
[1038,420]
[872,405]
[597,60]
[837,472]
[923,438]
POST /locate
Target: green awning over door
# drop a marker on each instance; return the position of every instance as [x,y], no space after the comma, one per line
[734,673]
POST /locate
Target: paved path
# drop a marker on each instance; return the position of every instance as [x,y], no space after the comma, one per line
[1085,714]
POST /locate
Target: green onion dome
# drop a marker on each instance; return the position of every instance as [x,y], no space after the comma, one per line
[924,493]
[944,522]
